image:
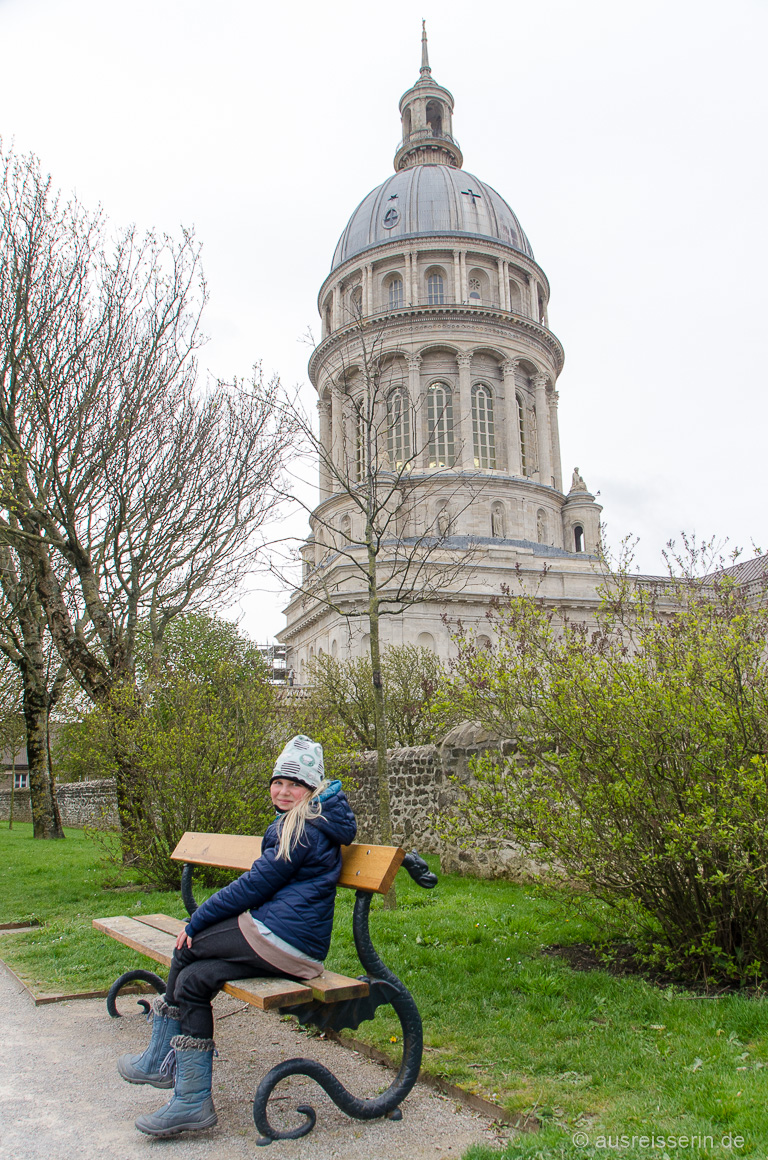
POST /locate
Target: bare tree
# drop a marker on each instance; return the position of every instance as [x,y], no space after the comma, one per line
[120,476]
[383,472]
[34,678]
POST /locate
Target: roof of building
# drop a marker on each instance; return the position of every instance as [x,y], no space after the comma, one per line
[430,199]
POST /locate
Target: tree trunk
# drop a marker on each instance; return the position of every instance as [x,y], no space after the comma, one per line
[46,819]
[124,711]
[380,717]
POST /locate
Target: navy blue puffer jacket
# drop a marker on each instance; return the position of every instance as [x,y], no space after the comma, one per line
[294,899]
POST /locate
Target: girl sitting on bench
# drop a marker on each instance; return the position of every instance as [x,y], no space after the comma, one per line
[276,919]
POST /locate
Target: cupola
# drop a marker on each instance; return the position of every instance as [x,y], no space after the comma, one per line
[426,111]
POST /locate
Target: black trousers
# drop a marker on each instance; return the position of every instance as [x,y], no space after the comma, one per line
[218,953]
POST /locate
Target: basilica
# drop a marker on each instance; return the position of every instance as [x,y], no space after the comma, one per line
[437,369]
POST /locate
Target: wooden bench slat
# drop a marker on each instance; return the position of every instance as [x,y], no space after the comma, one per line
[363,867]
[229,851]
[154,935]
[162,922]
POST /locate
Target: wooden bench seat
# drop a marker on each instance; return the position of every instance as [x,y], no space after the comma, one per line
[329,1001]
[154,935]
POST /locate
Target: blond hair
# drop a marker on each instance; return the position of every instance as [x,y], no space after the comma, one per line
[293,822]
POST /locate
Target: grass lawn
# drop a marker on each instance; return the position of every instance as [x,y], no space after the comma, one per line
[585,1051]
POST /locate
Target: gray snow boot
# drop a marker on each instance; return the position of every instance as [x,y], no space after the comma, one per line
[191,1109]
[148,1067]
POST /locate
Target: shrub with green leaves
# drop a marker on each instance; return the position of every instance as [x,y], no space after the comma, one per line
[414,679]
[200,741]
[642,767]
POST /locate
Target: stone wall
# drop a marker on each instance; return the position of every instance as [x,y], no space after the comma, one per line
[82,803]
[421,784]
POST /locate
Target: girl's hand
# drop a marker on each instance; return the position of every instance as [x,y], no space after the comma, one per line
[182,940]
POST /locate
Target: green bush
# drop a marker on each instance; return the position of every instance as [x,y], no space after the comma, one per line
[642,772]
[418,711]
[200,742]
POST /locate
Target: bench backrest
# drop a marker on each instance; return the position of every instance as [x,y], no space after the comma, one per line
[371,868]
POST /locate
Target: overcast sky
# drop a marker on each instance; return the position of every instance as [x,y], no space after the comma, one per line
[629,139]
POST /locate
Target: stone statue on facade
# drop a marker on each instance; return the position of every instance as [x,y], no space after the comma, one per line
[577,483]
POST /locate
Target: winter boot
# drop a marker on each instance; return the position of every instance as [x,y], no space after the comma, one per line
[147,1068]
[191,1108]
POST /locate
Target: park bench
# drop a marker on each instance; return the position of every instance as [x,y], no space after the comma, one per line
[330,1002]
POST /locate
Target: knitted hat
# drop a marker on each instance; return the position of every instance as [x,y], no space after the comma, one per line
[302,761]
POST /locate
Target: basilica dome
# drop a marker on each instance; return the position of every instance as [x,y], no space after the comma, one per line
[430,199]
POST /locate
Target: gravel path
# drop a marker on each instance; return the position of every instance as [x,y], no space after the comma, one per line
[60,1093]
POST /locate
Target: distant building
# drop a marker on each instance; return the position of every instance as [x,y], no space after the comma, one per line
[435,269]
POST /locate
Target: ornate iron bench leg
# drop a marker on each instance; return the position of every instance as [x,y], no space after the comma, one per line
[385,987]
[132,977]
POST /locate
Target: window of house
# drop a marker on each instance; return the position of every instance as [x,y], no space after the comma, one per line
[398,428]
[21,780]
[435,291]
[440,425]
[483,436]
[521,429]
[395,293]
[578,537]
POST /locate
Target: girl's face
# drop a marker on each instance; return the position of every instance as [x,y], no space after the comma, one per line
[286,793]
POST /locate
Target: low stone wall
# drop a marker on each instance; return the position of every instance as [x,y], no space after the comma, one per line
[423,781]
[82,803]
[421,785]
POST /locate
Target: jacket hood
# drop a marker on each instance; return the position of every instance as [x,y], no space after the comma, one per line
[336,818]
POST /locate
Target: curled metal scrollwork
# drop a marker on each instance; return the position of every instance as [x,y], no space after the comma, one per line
[133,977]
[385,987]
[187,896]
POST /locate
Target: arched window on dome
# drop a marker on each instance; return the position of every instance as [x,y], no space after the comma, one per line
[515,297]
[395,293]
[435,118]
[478,287]
[356,302]
[440,425]
[483,436]
[435,289]
[398,428]
[521,431]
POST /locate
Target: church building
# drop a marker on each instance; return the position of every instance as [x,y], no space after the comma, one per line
[437,368]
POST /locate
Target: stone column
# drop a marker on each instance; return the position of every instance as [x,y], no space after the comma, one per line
[533,286]
[418,410]
[555,428]
[337,429]
[410,282]
[512,429]
[326,437]
[503,288]
[457,276]
[542,424]
[464,286]
[337,319]
[463,413]
[369,306]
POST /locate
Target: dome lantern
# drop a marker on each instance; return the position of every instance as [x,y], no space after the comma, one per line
[426,111]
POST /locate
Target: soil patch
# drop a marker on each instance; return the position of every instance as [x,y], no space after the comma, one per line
[623,959]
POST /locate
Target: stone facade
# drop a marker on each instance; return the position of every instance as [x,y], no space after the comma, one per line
[436,309]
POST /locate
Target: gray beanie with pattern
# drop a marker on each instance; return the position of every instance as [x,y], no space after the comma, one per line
[301,760]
